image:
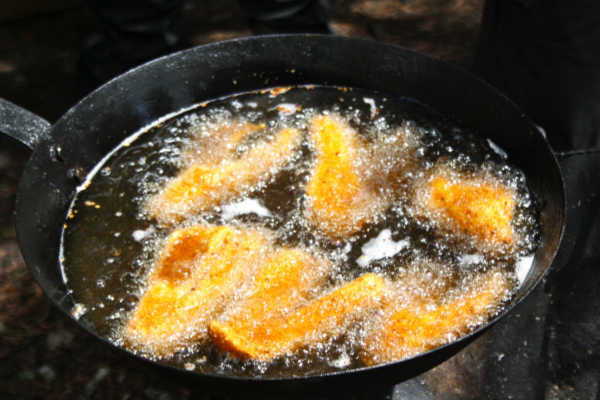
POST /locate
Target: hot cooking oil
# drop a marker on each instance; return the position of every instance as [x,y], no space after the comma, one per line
[113,239]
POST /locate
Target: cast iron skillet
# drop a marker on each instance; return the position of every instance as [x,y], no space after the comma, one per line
[65,151]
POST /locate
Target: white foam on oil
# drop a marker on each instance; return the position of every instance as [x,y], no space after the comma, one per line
[469,259]
[372,106]
[523,267]
[246,206]
[287,109]
[78,310]
[341,362]
[497,149]
[140,234]
[380,247]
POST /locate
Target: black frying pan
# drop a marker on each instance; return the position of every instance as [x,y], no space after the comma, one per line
[63,153]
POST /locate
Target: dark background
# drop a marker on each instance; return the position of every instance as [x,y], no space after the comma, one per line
[44,355]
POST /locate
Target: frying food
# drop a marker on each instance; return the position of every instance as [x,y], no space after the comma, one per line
[202,186]
[410,329]
[286,280]
[220,143]
[313,323]
[339,200]
[198,271]
[305,230]
[282,284]
[479,208]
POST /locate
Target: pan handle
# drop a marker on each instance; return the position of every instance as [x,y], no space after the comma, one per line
[22,125]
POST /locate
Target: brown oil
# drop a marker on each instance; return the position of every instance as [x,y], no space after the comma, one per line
[110,242]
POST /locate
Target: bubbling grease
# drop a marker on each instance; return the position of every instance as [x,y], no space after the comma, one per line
[422,266]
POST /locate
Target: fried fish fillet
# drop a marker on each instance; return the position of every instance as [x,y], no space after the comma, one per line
[479,208]
[196,274]
[325,317]
[339,198]
[202,186]
[222,142]
[411,329]
[281,285]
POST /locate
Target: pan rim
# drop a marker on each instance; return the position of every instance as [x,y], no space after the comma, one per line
[304,378]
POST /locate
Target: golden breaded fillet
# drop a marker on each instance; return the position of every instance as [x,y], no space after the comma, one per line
[176,259]
[282,284]
[325,317]
[222,142]
[479,209]
[202,186]
[198,271]
[339,199]
[411,329]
